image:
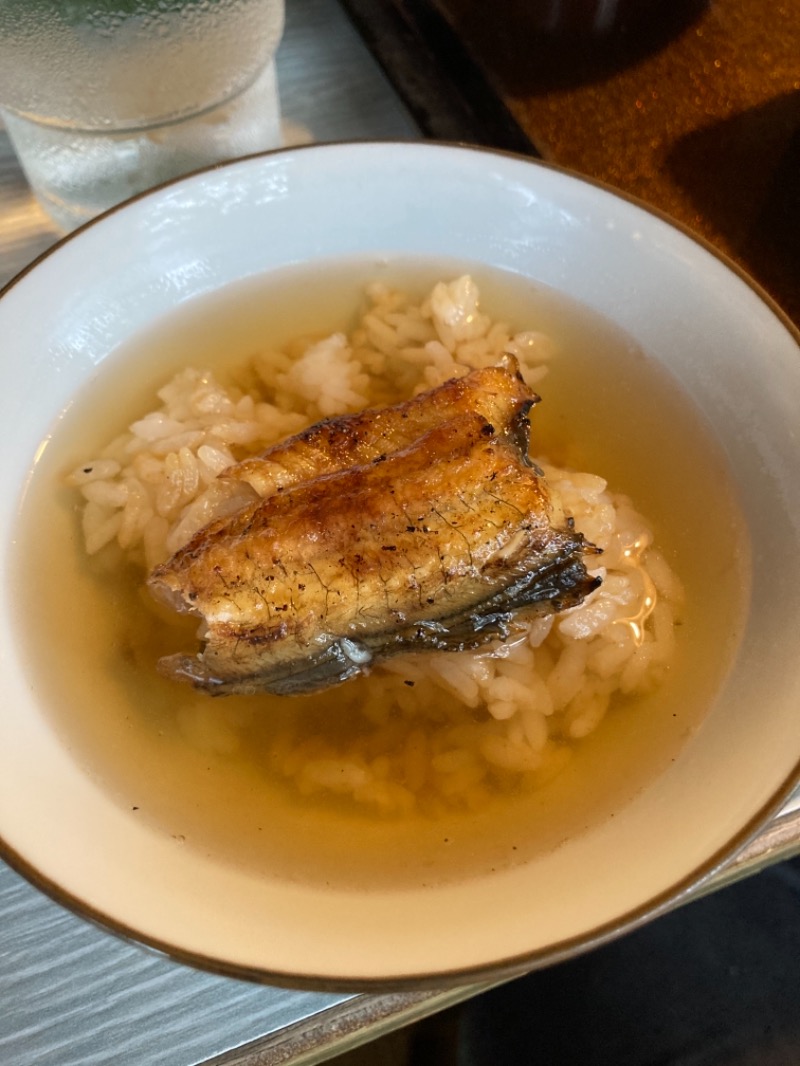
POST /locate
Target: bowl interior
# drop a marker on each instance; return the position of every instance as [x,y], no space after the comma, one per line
[682,305]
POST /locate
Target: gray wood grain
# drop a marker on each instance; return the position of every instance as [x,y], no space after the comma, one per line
[73,995]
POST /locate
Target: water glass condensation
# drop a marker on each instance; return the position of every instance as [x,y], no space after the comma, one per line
[105,98]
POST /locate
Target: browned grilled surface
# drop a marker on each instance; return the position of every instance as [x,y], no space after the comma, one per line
[435,545]
[498,393]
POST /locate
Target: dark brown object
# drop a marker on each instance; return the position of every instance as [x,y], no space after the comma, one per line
[691,106]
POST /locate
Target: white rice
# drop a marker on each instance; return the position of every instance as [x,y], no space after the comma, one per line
[423,730]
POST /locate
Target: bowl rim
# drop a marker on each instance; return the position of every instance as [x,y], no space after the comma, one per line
[434,145]
[684,891]
[678,892]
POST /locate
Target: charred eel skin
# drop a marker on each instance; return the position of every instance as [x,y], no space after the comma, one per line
[447,538]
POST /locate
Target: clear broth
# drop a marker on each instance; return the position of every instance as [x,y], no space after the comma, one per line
[92,647]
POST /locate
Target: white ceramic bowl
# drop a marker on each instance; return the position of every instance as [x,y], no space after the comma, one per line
[686,308]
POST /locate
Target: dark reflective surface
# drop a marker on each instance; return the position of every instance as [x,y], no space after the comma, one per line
[542,45]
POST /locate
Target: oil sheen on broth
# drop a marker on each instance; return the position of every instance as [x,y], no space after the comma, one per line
[92,643]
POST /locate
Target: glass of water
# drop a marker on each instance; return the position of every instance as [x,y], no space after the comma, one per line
[105,98]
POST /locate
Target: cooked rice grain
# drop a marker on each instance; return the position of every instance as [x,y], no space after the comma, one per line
[425,731]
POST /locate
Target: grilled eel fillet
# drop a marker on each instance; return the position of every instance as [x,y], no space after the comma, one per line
[497,392]
[436,545]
